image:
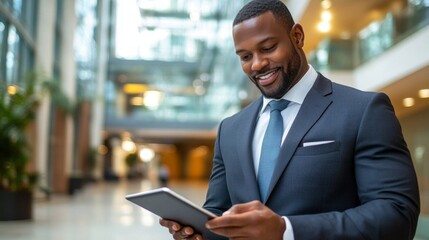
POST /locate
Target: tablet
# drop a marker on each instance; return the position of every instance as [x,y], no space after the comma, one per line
[167,204]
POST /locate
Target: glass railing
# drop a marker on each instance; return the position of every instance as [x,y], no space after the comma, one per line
[373,40]
[193,93]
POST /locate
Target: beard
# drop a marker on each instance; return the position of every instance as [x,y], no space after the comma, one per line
[289,79]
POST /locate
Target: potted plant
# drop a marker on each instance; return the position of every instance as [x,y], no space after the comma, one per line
[17,110]
[131,160]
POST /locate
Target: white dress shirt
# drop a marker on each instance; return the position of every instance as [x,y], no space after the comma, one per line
[296,96]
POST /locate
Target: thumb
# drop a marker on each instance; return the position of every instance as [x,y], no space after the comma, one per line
[244,207]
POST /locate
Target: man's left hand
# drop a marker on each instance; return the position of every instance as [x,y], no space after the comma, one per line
[251,220]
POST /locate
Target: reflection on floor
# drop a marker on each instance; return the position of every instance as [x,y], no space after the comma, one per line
[98,211]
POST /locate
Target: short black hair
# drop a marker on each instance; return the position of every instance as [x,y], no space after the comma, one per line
[258,7]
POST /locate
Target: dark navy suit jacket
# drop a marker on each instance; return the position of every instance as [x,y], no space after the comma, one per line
[360,186]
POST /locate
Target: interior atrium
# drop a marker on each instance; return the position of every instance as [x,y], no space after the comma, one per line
[156,77]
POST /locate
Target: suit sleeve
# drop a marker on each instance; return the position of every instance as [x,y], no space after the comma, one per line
[217,199]
[386,183]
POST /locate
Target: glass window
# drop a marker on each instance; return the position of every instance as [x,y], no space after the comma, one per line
[171,60]
[86,47]
[17,6]
[12,56]
[2,49]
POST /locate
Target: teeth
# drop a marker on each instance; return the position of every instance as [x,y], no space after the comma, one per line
[267,76]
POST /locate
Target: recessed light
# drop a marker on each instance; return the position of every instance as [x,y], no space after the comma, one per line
[12,89]
[424,93]
[326,4]
[326,16]
[408,102]
[324,27]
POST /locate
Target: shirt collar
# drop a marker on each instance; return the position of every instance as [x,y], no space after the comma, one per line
[298,92]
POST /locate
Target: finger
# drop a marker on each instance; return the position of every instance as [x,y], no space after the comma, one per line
[244,207]
[170,224]
[232,232]
[187,231]
[196,237]
[230,220]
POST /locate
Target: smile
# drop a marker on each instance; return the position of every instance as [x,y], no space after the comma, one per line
[267,78]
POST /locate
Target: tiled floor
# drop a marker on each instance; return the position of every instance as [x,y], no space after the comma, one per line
[99,211]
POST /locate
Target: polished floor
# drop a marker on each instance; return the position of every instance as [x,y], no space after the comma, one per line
[98,211]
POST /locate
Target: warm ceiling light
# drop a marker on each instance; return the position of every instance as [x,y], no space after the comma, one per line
[135,88]
[408,102]
[128,145]
[152,99]
[137,101]
[424,93]
[326,4]
[326,16]
[147,154]
[324,27]
[12,89]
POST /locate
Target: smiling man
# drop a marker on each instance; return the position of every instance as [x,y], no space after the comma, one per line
[339,169]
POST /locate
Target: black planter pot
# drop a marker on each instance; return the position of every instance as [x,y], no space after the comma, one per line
[75,184]
[16,205]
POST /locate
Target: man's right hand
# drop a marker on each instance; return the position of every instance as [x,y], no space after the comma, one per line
[178,231]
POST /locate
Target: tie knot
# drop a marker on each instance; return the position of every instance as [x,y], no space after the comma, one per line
[278,105]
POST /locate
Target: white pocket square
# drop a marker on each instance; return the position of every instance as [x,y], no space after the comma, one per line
[308,144]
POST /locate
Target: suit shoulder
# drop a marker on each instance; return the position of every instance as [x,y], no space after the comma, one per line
[347,91]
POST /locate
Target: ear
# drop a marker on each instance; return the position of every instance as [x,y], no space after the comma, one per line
[297,35]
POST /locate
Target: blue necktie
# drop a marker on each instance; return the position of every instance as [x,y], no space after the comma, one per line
[271,146]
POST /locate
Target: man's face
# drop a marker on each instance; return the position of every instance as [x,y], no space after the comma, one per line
[267,54]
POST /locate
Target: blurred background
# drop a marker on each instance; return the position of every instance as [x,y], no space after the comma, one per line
[102,98]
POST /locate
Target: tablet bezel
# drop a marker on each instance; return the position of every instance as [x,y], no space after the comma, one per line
[170,205]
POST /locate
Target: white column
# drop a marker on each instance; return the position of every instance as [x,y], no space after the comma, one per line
[44,62]
[97,118]
[68,74]
[297,8]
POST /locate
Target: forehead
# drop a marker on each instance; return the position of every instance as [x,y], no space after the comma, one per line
[258,29]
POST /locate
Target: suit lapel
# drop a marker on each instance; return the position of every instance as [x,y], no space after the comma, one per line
[316,102]
[244,136]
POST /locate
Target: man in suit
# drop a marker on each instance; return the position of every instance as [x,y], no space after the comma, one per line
[343,170]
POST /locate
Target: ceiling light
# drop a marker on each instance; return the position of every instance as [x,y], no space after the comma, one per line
[324,27]
[326,16]
[137,101]
[152,99]
[424,93]
[146,154]
[135,88]
[326,4]
[128,145]
[408,102]
[12,89]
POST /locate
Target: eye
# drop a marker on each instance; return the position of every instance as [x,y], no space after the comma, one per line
[245,58]
[268,48]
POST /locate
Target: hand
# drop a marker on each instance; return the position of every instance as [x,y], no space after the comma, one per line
[251,220]
[178,232]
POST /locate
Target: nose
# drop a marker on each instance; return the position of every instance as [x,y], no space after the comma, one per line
[259,62]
